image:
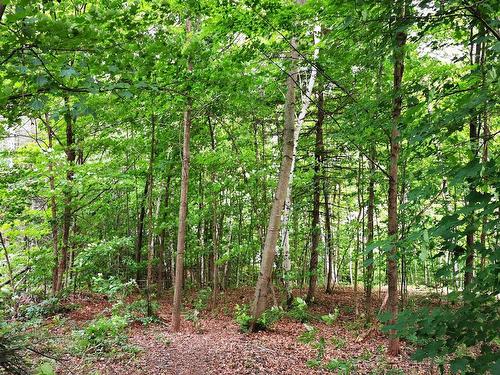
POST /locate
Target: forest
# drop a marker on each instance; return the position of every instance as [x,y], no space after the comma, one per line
[249,187]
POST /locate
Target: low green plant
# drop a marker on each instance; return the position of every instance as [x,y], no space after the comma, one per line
[366,355]
[331,317]
[112,286]
[308,335]
[136,311]
[298,311]
[48,307]
[338,342]
[193,316]
[242,317]
[320,346]
[313,363]
[202,298]
[103,334]
[45,368]
[12,344]
[267,319]
[342,367]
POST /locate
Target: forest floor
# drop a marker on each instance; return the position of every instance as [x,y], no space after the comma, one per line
[214,345]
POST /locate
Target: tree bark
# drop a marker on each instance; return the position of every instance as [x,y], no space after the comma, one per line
[474,123]
[269,250]
[7,261]
[315,228]
[164,277]
[329,244]
[392,270]
[215,229]
[67,192]
[140,231]
[181,234]
[2,9]
[285,240]
[369,239]
[53,210]
[151,248]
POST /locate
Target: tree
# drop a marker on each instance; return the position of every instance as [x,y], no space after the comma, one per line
[397,103]
[181,234]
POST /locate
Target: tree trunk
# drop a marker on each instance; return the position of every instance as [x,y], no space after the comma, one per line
[164,277]
[369,255]
[328,229]
[285,240]
[140,231]
[53,210]
[315,228]
[181,234]
[151,247]
[7,262]
[474,123]
[215,230]
[269,250]
[67,192]
[392,268]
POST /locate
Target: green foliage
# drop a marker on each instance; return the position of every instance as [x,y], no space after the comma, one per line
[12,344]
[341,367]
[48,307]
[112,286]
[136,311]
[45,368]
[265,321]
[202,299]
[104,334]
[298,311]
[308,335]
[331,317]
[338,342]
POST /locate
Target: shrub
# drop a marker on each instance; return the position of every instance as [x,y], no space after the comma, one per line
[102,335]
[11,358]
[298,311]
[331,317]
[308,335]
[112,287]
[48,307]
[266,320]
[45,368]
[202,299]
[338,342]
[341,367]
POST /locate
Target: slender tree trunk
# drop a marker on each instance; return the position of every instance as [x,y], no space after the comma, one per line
[392,268]
[369,255]
[215,231]
[151,240]
[164,277]
[7,261]
[475,56]
[285,240]
[67,192]
[53,210]
[329,244]
[358,232]
[2,9]
[140,230]
[181,235]
[269,250]
[315,228]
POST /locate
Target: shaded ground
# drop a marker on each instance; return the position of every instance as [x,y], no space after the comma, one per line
[214,344]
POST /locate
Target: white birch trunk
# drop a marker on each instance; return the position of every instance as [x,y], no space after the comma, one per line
[306,100]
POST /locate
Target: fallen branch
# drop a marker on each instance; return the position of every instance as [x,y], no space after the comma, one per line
[25,269]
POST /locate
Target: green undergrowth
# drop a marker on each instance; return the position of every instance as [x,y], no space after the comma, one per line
[299,311]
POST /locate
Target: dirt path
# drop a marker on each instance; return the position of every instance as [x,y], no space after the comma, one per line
[215,346]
